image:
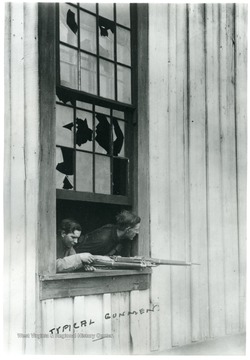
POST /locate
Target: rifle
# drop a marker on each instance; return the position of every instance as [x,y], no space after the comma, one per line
[136,262]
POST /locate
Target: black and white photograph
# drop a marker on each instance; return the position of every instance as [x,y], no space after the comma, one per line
[125,178]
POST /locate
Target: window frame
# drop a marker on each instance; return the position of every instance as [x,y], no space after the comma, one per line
[46,250]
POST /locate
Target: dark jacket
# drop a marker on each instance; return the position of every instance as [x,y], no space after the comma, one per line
[103,241]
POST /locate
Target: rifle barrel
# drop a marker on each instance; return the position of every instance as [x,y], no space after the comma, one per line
[139,259]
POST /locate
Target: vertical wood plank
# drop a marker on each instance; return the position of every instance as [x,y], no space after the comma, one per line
[159,169]
[187,183]
[154,327]
[215,239]
[48,323]
[31,151]
[139,323]
[229,185]
[241,136]
[17,186]
[79,315]
[145,304]
[143,129]
[47,194]
[93,310]
[115,324]
[177,107]
[135,334]
[106,327]
[63,309]
[124,323]
[7,172]
[197,161]
[90,329]
[120,323]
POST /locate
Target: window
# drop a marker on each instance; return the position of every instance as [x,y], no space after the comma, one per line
[94,108]
[89,111]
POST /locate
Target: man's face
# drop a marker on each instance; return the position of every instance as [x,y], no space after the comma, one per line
[131,232]
[70,239]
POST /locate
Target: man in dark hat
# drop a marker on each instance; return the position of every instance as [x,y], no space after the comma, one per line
[111,239]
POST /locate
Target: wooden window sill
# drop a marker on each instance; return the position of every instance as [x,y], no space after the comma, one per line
[93,283]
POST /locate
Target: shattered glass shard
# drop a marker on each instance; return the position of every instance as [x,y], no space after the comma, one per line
[66,167]
[84,133]
[65,96]
[117,145]
[106,25]
[66,184]
[69,126]
[103,132]
[71,21]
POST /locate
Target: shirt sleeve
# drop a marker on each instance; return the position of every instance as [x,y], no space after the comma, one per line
[69,263]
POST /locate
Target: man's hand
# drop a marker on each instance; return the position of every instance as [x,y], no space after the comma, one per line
[87,258]
[88,268]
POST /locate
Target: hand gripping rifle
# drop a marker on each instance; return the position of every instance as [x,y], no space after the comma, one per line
[137,262]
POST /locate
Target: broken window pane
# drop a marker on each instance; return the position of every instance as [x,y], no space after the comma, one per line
[102,134]
[102,174]
[123,14]
[106,10]
[84,130]
[88,32]
[64,126]
[66,166]
[58,100]
[123,46]
[106,27]
[84,171]
[65,96]
[120,176]
[88,74]
[124,84]
[118,137]
[106,46]
[107,79]
[106,38]
[68,67]
[88,6]
[62,181]
[68,24]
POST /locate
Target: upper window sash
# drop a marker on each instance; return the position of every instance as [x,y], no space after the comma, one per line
[94,50]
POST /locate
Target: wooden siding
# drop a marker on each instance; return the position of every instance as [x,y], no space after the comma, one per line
[98,324]
[196,185]
[198,182]
[21,167]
